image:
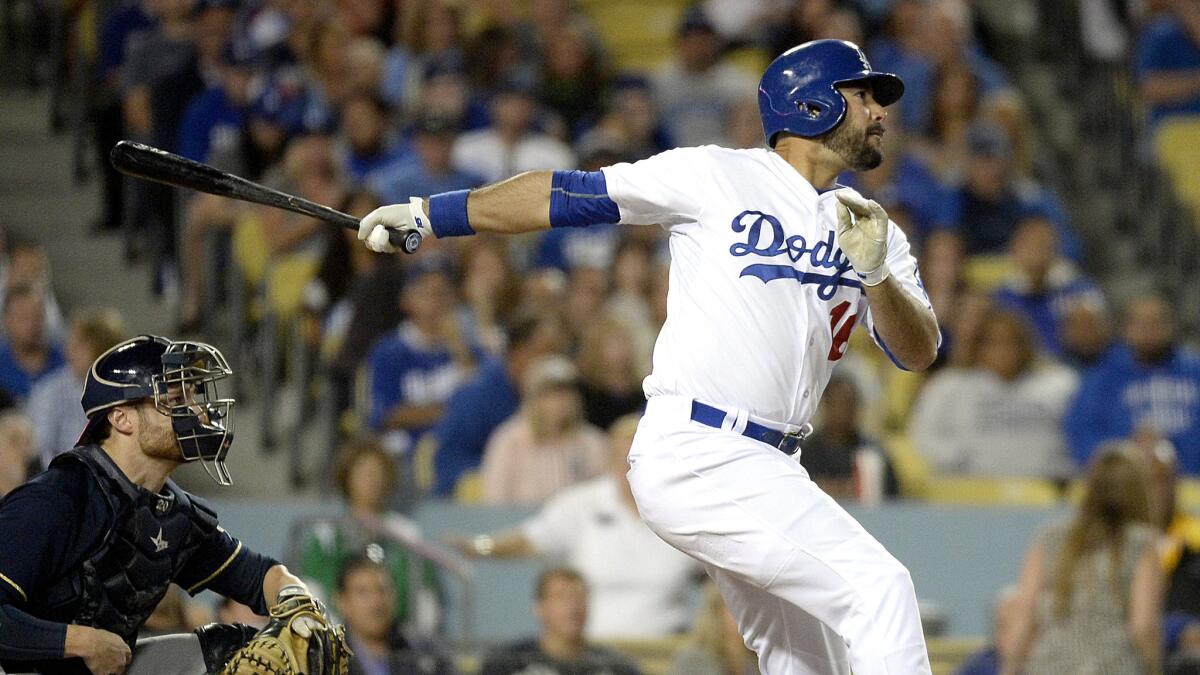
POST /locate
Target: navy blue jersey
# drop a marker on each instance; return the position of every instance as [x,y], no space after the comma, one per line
[59,519]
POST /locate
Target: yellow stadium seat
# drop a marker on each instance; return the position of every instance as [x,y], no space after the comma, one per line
[992,491]
[638,34]
[985,273]
[469,488]
[1187,494]
[912,469]
[1177,144]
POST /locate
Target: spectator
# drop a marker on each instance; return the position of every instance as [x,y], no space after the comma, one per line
[1089,597]
[611,372]
[631,125]
[986,661]
[16,450]
[1044,286]
[547,445]
[418,366]
[640,586]
[430,169]
[488,398]
[695,90]
[489,289]
[996,199]
[1085,334]
[1148,383]
[169,616]
[366,596]
[367,481]
[1002,413]
[832,456]
[53,405]
[213,120]
[561,606]
[28,265]
[27,353]
[1181,547]
[573,82]
[369,147]
[511,144]
[1167,61]
[428,36]
[715,645]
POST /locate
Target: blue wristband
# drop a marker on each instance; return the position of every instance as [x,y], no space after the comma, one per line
[448,214]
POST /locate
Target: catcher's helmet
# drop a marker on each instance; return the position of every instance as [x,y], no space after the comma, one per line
[181,378]
[798,91]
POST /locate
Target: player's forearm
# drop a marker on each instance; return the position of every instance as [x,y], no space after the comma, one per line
[907,327]
[24,637]
[278,578]
[519,204]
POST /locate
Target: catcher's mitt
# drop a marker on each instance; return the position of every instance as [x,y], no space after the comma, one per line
[280,649]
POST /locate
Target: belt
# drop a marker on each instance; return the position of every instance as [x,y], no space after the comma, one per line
[788,444]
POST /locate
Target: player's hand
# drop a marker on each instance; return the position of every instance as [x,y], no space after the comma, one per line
[102,652]
[410,217]
[862,233]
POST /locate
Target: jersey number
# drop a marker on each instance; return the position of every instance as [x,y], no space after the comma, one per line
[841,324]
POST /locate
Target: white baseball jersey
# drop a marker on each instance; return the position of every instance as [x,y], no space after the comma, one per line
[762,299]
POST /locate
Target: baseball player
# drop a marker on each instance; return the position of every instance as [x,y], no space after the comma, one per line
[772,266]
[92,544]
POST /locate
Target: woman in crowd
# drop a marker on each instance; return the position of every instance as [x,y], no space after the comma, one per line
[547,445]
[1089,598]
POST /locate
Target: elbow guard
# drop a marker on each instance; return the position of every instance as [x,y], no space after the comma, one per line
[580,199]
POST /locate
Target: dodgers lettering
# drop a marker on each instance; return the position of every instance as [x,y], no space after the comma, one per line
[771,242]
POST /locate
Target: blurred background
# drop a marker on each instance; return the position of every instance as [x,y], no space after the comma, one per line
[438,439]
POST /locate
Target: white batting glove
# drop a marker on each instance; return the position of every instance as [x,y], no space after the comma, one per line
[410,217]
[863,235]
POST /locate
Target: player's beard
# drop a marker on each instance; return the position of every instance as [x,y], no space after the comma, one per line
[156,440]
[854,146]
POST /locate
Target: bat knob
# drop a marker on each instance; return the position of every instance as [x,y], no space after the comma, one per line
[408,242]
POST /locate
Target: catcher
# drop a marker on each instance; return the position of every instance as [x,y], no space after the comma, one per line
[91,545]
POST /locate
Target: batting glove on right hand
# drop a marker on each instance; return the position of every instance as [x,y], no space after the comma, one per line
[410,217]
[863,235]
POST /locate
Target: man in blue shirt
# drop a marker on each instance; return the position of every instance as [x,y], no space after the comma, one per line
[1044,287]
[414,369]
[1167,62]
[27,354]
[1149,383]
[489,398]
[430,170]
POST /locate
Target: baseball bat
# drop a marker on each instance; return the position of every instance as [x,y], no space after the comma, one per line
[160,166]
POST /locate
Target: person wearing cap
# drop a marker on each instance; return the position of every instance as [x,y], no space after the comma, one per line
[986,208]
[413,370]
[429,170]
[696,89]
[547,445]
[92,544]
[511,144]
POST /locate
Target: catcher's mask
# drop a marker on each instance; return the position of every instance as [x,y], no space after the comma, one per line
[182,380]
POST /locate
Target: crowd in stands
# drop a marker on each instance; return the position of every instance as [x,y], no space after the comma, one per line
[508,371]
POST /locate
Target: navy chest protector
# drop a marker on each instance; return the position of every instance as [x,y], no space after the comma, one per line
[119,583]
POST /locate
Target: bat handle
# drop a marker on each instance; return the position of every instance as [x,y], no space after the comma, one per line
[408,242]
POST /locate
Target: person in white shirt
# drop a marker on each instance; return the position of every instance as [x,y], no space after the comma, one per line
[1002,414]
[771,270]
[640,587]
[511,144]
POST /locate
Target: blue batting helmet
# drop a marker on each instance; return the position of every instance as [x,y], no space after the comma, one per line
[798,91]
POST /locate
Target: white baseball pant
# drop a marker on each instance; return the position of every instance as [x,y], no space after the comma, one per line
[812,591]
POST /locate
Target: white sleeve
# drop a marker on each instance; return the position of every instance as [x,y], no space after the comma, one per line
[552,530]
[665,189]
[903,267]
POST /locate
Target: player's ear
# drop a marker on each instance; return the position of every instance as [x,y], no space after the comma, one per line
[122,419]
